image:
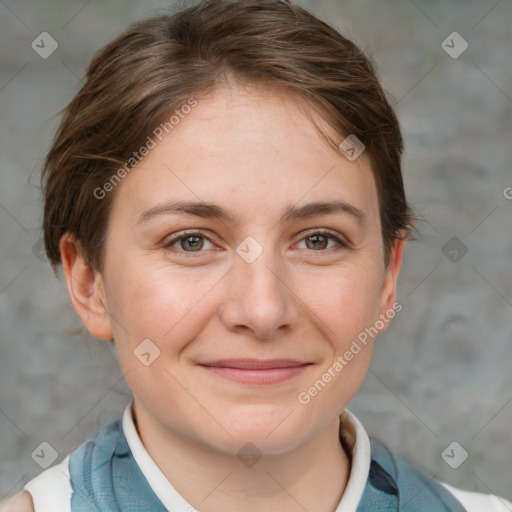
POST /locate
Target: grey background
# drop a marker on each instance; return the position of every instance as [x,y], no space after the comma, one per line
[441,372]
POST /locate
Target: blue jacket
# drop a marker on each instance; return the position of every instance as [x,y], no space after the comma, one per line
[106,478]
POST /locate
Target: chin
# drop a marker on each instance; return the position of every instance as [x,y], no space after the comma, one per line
[242,445]
[267,435]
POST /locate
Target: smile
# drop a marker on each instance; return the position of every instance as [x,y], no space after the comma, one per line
[256,372]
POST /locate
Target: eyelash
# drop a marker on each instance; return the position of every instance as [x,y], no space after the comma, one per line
[186,234]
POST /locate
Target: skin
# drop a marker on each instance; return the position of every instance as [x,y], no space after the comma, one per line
[254,152]
[20,502]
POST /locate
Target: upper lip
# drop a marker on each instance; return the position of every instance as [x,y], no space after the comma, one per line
[255,364]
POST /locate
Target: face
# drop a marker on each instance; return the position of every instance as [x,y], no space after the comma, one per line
[270,278]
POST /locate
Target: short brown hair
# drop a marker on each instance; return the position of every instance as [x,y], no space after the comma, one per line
[157,65]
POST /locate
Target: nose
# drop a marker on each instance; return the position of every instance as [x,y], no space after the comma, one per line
[259,297]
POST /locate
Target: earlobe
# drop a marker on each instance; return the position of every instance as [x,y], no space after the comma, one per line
[86,289]
[388,291]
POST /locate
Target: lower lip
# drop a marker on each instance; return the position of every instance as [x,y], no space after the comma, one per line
[268,376]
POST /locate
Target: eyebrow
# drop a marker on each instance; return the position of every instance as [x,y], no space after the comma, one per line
[213,211]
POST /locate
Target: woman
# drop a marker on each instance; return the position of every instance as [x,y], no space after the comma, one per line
[226,199]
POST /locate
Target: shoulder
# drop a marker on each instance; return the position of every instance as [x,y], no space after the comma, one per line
[421,491]
[51,490]
[21,502]
[477,502]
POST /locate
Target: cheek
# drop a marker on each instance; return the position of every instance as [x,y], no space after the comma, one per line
[164,307]
[346,305]
[158,303]
[346,301]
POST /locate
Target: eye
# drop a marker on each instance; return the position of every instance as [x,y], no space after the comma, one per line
[194,241]
[188,242]
[319,240]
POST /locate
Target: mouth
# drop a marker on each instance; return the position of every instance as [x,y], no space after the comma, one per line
[255,371]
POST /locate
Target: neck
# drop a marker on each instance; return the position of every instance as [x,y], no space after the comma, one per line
[312,476]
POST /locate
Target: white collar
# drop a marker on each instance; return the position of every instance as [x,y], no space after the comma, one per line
[353,432]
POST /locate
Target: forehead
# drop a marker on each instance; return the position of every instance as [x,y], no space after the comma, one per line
[250,149]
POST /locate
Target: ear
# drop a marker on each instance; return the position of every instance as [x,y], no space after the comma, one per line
[86,289]
[388,290]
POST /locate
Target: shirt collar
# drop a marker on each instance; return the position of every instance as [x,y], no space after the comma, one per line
[352,435]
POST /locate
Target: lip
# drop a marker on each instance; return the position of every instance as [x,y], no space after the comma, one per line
[256,371]
[255,364]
